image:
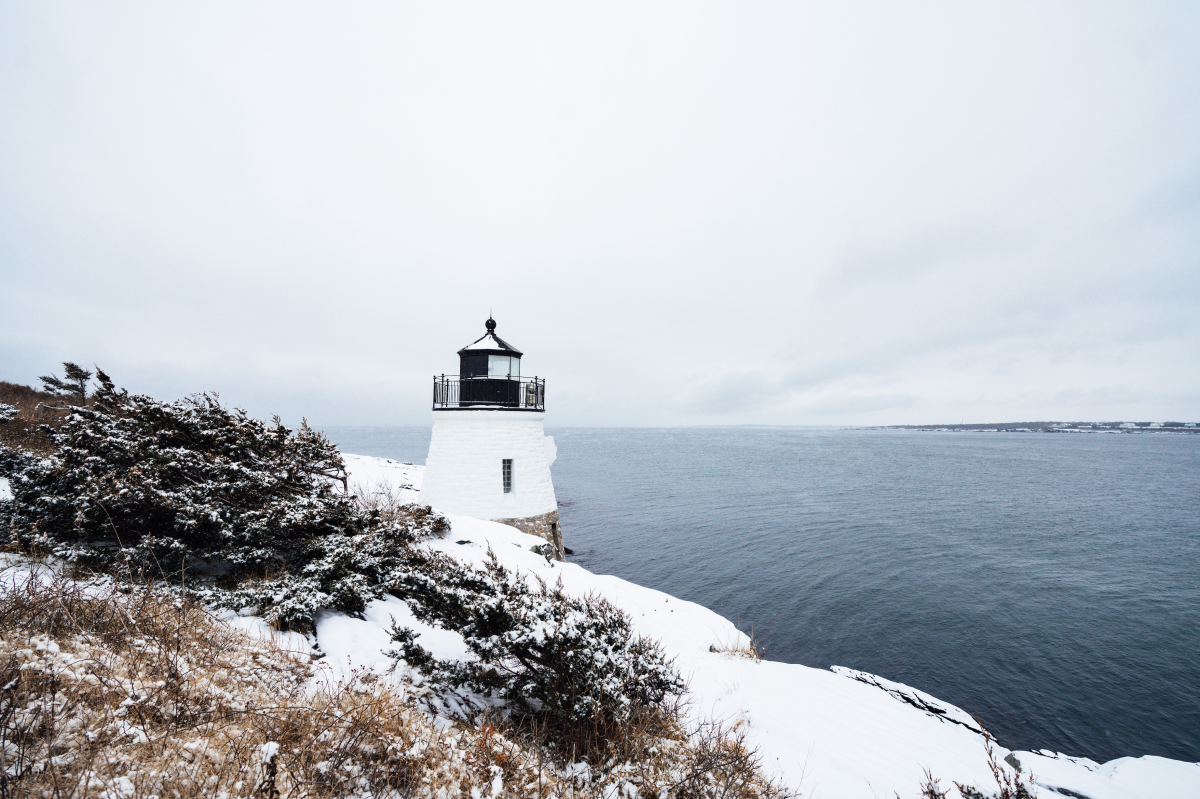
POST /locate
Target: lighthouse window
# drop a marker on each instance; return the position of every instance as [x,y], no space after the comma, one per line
[503,366]
[506,468]
[473,366]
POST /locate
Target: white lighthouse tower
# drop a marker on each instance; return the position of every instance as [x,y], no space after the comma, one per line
[489,456]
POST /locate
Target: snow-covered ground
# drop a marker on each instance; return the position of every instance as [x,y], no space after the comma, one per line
[1123,778]
[837,733]
[369,475]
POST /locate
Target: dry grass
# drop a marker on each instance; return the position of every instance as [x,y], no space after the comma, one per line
[719,763]
[22,431]
[1009,784]
[385,498]
[748,647]
[25,399]
[111,692]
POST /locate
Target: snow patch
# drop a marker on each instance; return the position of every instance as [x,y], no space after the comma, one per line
[1146,777]
[368,475]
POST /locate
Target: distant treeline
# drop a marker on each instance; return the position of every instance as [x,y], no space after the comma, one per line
[1056,427]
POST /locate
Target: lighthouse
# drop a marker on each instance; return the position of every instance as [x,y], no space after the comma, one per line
[489,456]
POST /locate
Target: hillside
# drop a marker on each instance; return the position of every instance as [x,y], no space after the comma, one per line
[22,431]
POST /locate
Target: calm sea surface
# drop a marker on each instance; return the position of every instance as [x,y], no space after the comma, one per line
[1048,583]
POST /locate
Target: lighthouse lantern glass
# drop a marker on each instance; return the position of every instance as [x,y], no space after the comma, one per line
[502,366]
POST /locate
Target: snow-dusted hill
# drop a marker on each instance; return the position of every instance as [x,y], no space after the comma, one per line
[834,734]
[838,734]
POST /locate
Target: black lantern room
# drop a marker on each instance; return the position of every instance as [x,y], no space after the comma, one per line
[489,377]
[489,357]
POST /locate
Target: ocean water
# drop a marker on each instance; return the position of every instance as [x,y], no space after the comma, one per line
[1049,584]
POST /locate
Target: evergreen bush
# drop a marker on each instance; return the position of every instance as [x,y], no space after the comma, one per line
[248,513]
[75,383]
[574,664]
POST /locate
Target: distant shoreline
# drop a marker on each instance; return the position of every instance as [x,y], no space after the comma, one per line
[1052,427]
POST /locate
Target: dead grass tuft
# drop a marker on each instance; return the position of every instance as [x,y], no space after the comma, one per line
[1009,785]
[749,647]
[385,498]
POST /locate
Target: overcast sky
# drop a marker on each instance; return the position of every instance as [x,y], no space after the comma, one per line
[683,213]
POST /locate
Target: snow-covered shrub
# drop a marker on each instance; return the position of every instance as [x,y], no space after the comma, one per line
[574,664]
[7,412]
[245,511]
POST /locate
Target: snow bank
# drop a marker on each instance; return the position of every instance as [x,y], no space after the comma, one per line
[1146,777]
[368,475]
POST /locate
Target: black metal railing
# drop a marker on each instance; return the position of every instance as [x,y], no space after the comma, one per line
[450,393]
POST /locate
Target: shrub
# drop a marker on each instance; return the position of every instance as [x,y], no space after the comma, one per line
[573,665]
[256,513]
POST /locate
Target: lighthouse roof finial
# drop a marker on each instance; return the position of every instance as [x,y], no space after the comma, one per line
[489,342]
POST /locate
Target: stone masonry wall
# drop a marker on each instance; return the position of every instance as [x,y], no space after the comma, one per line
[545,526]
